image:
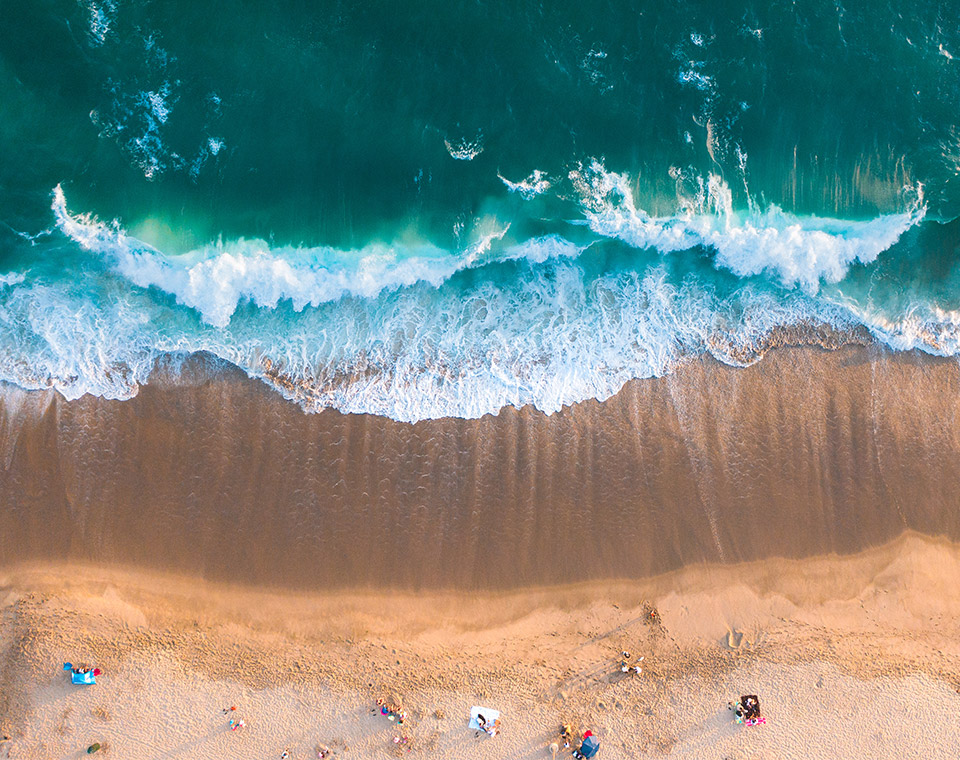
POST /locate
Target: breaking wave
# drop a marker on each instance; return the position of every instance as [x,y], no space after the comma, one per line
[420,332]
[799,251]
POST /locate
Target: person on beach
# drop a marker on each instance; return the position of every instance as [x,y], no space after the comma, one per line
[737,711]
[626,667]
[747,710]
[490,727]
[236,724]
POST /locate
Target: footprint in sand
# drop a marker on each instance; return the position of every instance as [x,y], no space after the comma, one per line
[736,639]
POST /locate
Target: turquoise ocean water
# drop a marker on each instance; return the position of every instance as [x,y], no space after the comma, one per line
[443,208]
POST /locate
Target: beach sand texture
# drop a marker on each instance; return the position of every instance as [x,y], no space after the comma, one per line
[208,544]
[852,657]
[808,452]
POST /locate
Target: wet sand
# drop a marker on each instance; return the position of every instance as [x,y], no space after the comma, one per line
[808,452]
[788,529]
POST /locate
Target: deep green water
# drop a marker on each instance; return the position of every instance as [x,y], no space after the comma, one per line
[443,208]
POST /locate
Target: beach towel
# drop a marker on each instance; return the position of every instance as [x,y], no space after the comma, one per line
[488,714]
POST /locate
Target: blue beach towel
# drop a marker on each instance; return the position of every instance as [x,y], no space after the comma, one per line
[84,679]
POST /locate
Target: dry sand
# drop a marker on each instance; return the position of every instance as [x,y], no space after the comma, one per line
[853,657]
[460,562]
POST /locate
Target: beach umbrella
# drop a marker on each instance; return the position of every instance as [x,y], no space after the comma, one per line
[590,747]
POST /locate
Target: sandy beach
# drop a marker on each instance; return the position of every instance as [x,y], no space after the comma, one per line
[852,657]
[745,531]
[806,453]
[367,369]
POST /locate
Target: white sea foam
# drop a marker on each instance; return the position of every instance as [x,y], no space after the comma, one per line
[10,278]
[690,75]
[465,148]
[535,184]
[102,16]
[216,279]
[157,104]
[800,251]
[388,332]
[209,149]
[140,106]
[552,337]
[136,121]
[926,327]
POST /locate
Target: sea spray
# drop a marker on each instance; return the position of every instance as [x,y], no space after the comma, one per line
[470,206]
[419,333]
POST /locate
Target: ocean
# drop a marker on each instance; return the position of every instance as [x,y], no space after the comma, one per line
[442,209]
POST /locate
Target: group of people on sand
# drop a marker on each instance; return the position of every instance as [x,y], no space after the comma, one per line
[747,710]
[322,752]
[235,723]
[391,710]
[583,744]
[627,668]
[79,670]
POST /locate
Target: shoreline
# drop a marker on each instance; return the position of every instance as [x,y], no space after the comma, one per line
[809,452]
[787,530]
[850,655]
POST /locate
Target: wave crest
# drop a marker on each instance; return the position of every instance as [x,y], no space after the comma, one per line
[391,331]
[800,251]
[216,279]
